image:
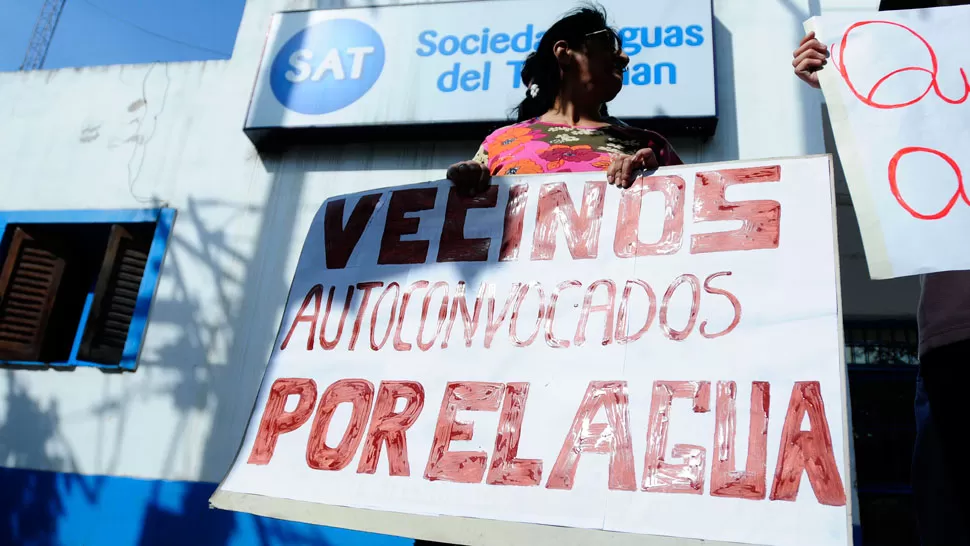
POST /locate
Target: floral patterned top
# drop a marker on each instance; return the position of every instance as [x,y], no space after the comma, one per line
[536,147]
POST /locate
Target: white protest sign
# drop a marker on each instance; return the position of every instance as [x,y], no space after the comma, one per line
[663,360]
[897,91]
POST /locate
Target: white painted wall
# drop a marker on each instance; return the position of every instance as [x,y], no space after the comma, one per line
[170,134]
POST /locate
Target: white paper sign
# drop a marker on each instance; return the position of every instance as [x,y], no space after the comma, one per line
[897,90]
[663,360]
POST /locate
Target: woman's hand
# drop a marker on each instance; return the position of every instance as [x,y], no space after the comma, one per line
[810,57]
[623,169]
[470,177]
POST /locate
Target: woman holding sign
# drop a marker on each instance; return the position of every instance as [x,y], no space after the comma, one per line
[562,124]
[940,481]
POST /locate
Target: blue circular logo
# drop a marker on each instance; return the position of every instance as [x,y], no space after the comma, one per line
[327,66]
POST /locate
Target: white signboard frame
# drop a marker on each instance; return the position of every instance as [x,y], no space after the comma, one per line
[393,63]
[777,250]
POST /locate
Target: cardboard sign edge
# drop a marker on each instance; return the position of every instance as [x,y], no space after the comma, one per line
[454,529]
[863,203]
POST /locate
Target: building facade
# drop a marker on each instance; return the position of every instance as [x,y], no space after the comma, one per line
[128,452]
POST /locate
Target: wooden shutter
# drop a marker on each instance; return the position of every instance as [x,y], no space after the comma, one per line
[29,281]
[115,295]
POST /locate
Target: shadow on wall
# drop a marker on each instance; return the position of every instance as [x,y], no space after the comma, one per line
[724,145]
[63,507]
[206,367]
[51,508]
[210,364]
[29,506]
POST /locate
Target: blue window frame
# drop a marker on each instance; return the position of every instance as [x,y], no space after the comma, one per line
[161,218]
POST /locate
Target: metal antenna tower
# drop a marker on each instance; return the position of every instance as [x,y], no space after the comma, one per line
[40,40]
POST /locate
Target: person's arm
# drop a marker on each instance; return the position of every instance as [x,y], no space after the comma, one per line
[666,155]
[662,150]
[655,152]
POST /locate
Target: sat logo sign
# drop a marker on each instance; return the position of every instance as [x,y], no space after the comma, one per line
[459,64]
[327,66]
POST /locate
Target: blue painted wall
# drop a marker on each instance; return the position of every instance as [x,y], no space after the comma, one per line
[52,508]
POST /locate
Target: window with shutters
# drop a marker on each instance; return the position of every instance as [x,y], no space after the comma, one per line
[76,286]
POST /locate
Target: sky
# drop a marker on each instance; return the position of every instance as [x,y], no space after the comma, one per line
[101,32]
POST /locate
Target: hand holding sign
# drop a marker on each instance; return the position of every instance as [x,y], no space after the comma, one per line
[624,168]
[897,98]
[810,57]
[470,177]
